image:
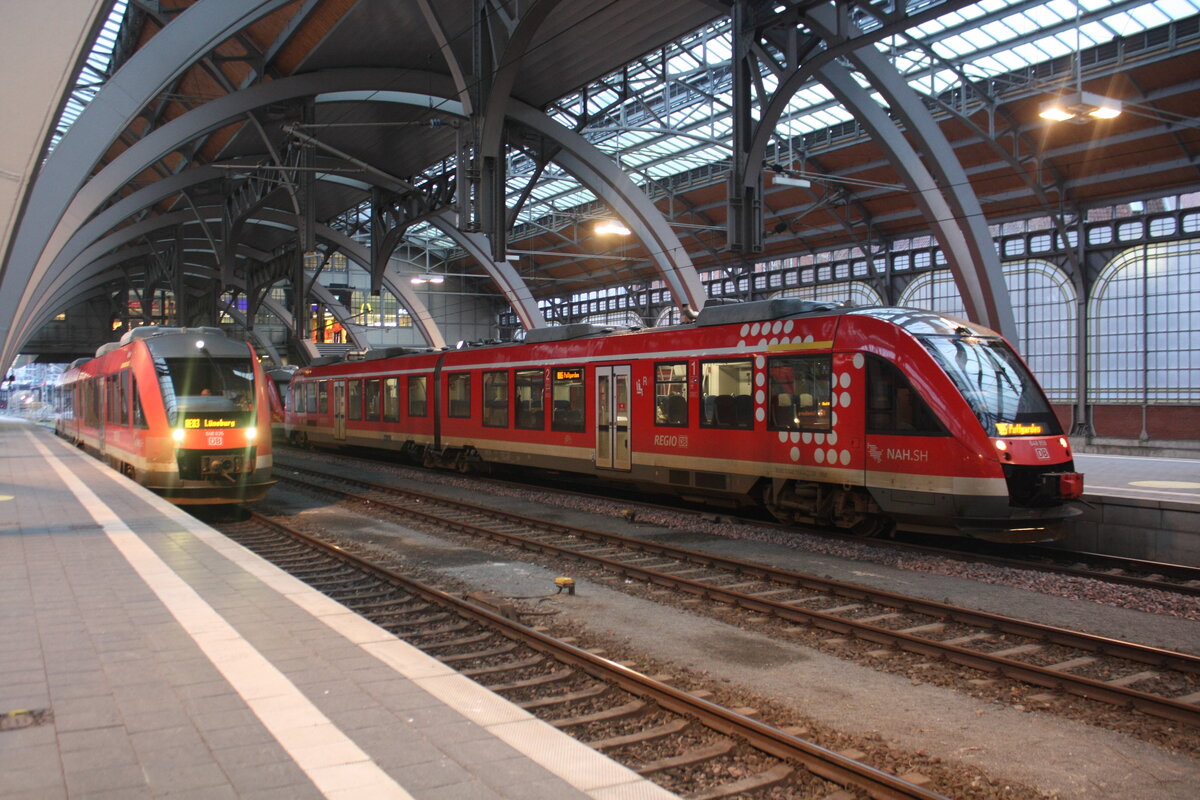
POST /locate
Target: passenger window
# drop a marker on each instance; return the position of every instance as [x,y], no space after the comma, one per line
[310,398]
[530,386]
[391,400]
[322,397]
[495,399]
[800,393]
[417,395]
[139,415]
[353,399]
[670,394]
[458,394]
[371,400]
[568,399]
[893,406]
[725,394]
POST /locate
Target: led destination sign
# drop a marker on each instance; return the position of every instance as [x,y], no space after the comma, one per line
[204,422]
[1018,429]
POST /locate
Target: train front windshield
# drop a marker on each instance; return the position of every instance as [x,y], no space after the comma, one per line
[1000,390]
[206,385]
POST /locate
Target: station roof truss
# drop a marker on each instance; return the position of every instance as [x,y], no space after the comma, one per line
[208,145]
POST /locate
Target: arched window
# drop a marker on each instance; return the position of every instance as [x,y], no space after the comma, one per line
[858,294]
[1044,310]
[1144,336]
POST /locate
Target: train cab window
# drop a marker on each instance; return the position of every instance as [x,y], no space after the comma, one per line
[391,399]
[530,387]
[495,399]
[353,399]
[725,394]
[322,397]
[418,395]
[799,398]
[670,394]
[371,400]
[893,406]
[310,398]
[458,394]
[567,400]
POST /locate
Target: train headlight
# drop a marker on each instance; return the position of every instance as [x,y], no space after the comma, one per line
[1001,445]
[251,433]
[177,435]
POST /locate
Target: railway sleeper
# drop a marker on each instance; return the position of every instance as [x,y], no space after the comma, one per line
[694,756]
[562,699]
[630,709]
[751,783]
[648,735]
[540,680]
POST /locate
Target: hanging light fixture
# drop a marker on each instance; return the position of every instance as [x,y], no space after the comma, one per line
[611,227]
[1078,106]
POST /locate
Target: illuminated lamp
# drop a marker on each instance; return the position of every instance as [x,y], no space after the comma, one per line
[611,226]
[1080,107]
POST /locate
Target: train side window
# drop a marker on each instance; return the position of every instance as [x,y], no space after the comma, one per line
[458,394]
[725,394]
[799,397]
[530,386]
[111,384]
[893,406]
[322,397]
[495,399]
[418,395]
[353,399]
[371,400]
[391,399]
[123,397]
[310,398]
[568,400]
[670,394]
[139,414]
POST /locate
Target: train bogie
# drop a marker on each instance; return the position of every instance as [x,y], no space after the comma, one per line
[179,410]
[863,419]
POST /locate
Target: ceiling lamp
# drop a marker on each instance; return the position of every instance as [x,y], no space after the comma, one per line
[1080,107]
[428,277]
[611,226]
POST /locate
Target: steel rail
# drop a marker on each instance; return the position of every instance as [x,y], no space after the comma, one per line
[1156,705]
[819,760]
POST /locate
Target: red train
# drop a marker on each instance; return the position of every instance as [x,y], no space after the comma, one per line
[183,411]
[866,419]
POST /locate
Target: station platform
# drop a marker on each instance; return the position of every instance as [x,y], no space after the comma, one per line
[142,654]
[1139,507]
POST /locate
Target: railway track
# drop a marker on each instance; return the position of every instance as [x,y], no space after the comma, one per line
[681,741]
[1144,574]
[1152,680]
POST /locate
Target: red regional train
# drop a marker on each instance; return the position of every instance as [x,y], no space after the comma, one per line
[867,419]
[183,411]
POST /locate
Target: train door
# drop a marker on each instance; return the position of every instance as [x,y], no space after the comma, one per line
[612,418]
[339,410]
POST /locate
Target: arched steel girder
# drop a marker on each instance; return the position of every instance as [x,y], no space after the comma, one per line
[499,75]
[939,183]
[111,269]
[608,182]
[596,171]
[153,67]
[103,249]
[74,255]
[952,209]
